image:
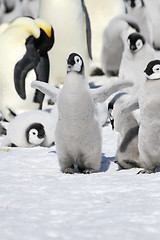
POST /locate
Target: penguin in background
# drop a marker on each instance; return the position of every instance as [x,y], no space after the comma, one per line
[24,46]
[30,8]
[136,55]
[9,10]
[32,136]
[78,121]
[73,34]
[154,9]
[114,39]
[100,14]
[138,9]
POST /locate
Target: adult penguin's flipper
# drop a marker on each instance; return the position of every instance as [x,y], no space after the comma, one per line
[88,29]
[42,73]
[29,61]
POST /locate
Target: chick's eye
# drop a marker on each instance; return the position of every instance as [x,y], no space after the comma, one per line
[139,44]
[77,59]
[156,68]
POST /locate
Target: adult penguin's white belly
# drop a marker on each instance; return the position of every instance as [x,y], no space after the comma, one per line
[68,21]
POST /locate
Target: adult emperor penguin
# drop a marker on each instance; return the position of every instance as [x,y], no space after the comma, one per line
[127,154]
[24,44]
[73,34]
[78,121]
[114,39]
[31,128]
[136,55]
[138,9]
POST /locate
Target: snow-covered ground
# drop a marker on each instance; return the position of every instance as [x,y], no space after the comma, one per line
[39,202]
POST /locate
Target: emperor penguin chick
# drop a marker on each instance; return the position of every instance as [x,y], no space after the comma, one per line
[29,136]
[148,101]
[127,154]
[114,40]
[149,131]
[154,9]
[78,121]
[138,9]
[32,128]
[136,55]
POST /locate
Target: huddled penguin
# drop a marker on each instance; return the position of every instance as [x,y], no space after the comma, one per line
[148,102]
[136,55]
[31,129]
[78,121]
[31,137]
[114,39]
[127,154]
[73,33]
[24,46]
[138,9]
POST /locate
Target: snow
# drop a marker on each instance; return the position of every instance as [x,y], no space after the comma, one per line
[39,202]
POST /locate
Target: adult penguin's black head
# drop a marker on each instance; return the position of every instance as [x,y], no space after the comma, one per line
[46,39]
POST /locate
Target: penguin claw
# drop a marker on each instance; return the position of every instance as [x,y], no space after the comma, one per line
[68,170]
[88,171]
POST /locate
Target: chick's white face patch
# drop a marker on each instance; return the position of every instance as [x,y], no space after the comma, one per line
[139,44]
[33,137]
[138,3]
[156,68]
[78,64]
[128,42]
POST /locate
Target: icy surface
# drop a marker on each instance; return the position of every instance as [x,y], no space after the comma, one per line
[39,202]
